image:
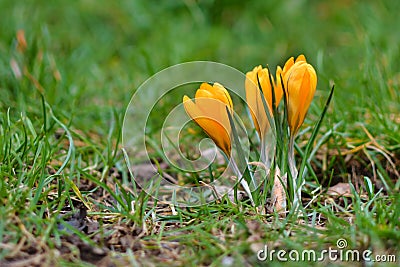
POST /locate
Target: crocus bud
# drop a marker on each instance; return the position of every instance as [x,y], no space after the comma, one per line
[209,112]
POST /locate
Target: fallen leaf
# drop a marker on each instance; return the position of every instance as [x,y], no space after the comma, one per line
[340,189]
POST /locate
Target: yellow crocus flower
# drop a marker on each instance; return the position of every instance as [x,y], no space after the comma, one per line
[209,112]
[254,98]
[300,82]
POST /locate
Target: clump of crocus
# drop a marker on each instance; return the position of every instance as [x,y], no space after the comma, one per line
[210,111]
[296,83]
[297,80]
[300,82]
[261,95]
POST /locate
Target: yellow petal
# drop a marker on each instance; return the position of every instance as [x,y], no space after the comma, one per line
[301,84]
[261,76]
[289,63]
[254,98]
[223,95]
[209,112]
[201,93]
[301,58]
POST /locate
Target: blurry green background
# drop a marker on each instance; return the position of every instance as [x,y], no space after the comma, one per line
[87,58]
[105,49]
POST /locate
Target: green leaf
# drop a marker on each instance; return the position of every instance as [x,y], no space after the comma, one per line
[312,138]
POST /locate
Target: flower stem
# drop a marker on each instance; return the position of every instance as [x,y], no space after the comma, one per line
[242,180]
[265,151]
[293,170]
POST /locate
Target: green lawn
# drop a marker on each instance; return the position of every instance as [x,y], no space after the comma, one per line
[66,196]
